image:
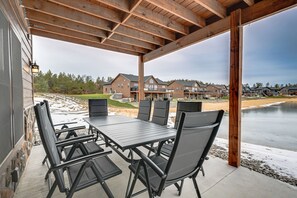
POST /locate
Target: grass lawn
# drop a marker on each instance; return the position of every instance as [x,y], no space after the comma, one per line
[112,103]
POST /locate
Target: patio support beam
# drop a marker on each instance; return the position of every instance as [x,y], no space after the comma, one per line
[249,2]
[140,78]
[235,90]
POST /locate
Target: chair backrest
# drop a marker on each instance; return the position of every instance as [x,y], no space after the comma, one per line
[161,112]
[98,107]
[195,135]
[48,112]
[186,107]
[48,139]
[144,110]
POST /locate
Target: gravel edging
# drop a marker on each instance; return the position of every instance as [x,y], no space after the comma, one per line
[253,165]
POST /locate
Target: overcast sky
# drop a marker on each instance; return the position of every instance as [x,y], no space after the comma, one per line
[270,55]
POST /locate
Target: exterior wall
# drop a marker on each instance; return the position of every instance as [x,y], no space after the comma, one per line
[17,158]
[213,91]
[178,90]
[107,89]
[150,84]
[121,85]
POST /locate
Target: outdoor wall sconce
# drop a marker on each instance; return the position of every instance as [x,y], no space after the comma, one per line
[34,68]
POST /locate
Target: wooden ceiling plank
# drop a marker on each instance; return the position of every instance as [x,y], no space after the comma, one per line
[89,38]
[63,12]
[249,2]
[154,17]
[126,31]
[122,5]
[250,14]
[180,11]
[150,29]
[64,23]
[132,41]
[92,8]
[214,6]
[81,42]
[132,5]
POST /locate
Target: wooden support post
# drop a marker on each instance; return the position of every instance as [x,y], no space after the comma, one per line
[235,88]
[140,78]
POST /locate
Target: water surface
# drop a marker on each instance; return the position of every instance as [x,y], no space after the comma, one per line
[273,126]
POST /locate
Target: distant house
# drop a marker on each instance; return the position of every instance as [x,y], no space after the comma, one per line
[266,91]
[186,89]
[292,90]
[216,90]
[127,85]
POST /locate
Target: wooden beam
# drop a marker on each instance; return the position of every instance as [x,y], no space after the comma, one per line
[140,78]
[92,8]
[249,2]
[131,41]
[158,19]
[235,90]
[256,12]
[214,6]
[149,28]
[126,16]
[80,42]
[80,36]
[64,23]
[66,13]
[126,31]
[265,8]
[180,11]
[123,5]
[195,37]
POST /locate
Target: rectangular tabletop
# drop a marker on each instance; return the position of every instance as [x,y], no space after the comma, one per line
[109,120]
[132,134]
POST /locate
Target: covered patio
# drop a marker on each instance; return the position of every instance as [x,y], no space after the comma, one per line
[147,29]
[221,180]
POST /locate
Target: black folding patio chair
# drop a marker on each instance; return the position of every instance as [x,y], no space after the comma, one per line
[144,110]
[82,172]
[73,147]
[195,135]
[166,148]
[161,112]
[97,107]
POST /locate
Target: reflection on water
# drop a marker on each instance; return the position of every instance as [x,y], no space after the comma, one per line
[273,126]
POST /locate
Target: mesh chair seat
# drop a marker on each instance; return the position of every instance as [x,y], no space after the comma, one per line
[154,178]
[91,147]
[105,166]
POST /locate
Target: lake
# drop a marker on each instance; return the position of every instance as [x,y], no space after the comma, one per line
[273,126]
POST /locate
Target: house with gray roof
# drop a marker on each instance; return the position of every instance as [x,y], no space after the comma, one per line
[127,85]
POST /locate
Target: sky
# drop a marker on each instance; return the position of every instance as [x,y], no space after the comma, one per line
[269,55]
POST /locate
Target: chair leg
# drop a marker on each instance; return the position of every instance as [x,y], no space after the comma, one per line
[128,186]
[134,180]
[196,187]
[44,160]
[148,185]
[202,170]
[181,187]
[52,190]
[47,174]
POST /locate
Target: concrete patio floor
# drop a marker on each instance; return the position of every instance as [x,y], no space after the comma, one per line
[221,180]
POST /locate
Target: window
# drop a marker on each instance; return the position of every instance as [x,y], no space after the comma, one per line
[151,81]
[163,86]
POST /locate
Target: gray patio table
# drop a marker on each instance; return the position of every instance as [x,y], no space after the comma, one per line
[124,133]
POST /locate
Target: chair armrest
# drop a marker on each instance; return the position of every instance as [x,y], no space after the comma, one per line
[65,123]
[73,141]
[76,138]
[69,129]
[149,162]
[80,160]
